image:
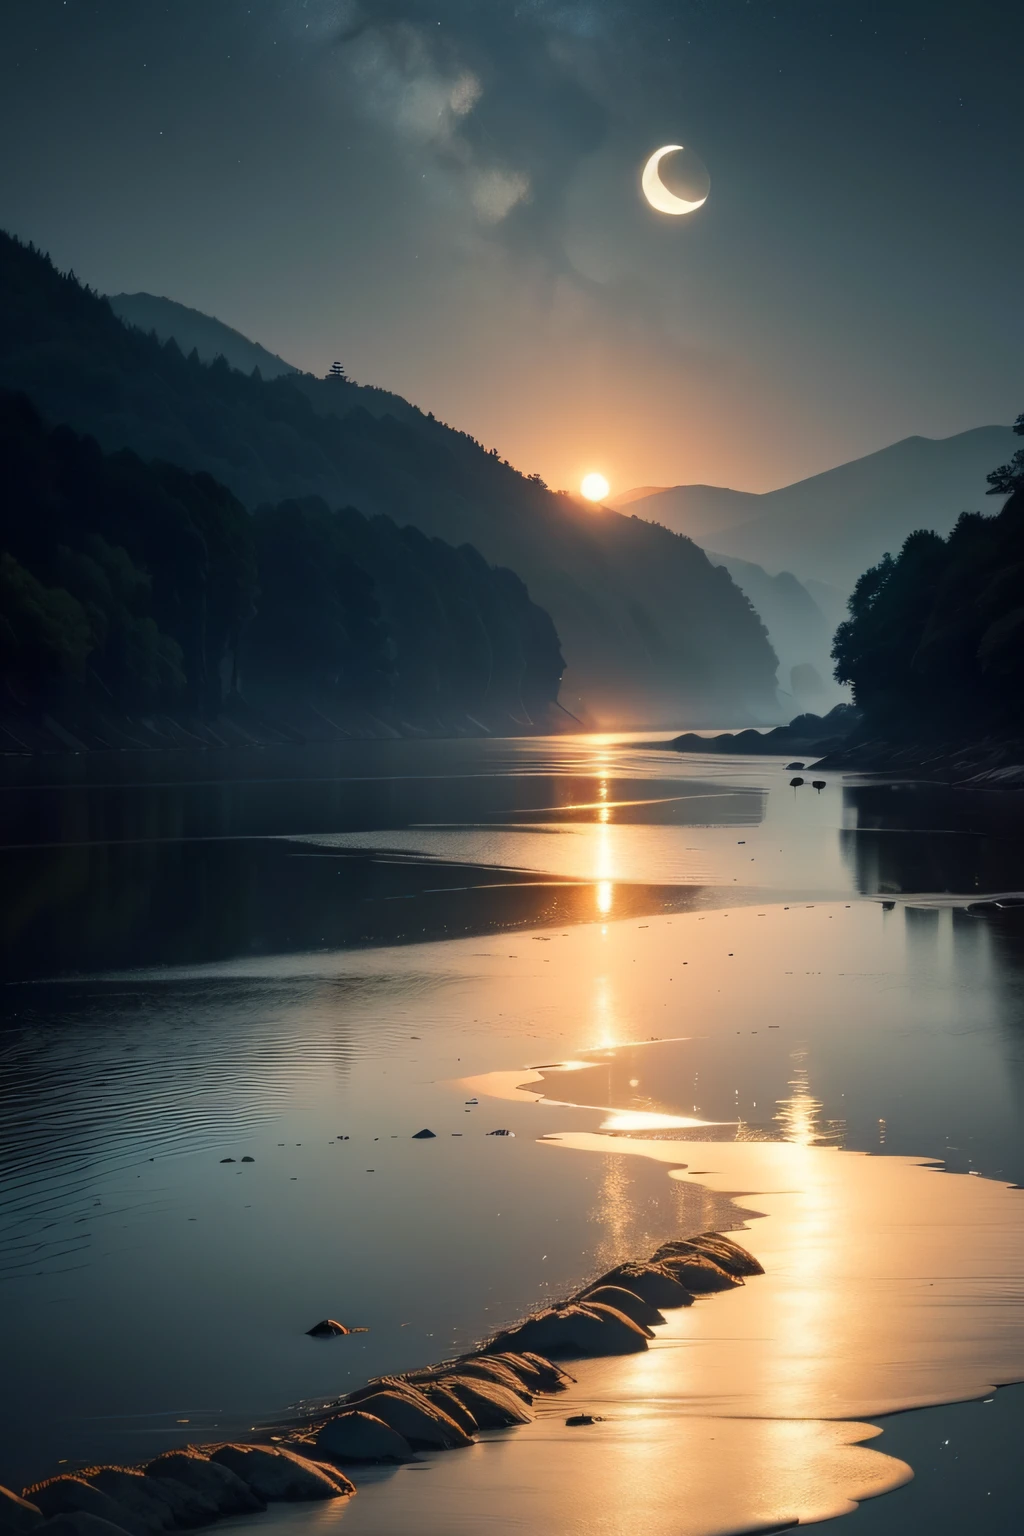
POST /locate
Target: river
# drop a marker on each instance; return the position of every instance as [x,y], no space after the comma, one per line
[664,974]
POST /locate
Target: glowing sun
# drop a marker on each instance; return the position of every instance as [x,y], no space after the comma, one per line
[594,487]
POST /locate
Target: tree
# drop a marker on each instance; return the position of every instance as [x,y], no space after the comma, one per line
[336,371]
[1009,477]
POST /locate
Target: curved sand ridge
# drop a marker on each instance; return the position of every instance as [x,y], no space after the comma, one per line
[888,1285]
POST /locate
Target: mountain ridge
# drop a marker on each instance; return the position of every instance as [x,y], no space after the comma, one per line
[652,632]
[833,525]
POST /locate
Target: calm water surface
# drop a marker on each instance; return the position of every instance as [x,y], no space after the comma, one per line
[301,956]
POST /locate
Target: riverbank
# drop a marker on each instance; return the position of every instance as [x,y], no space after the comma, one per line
[991,762]
[29,733]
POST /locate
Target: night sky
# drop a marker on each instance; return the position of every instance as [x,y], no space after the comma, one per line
[445,196]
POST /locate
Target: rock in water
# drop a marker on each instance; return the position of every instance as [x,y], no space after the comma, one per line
[17,1515]
[727,1254]
[359,1436]
[146,1499]
[79,1523]
[189,1509]
[327,1329]
[627,1302]
[74,1496]
[276,1474]
[700,1275]
[421,1422]
[224,1488]
[576,1330]
[492,1369]
[424,1135]
[442,1397]
[653,1283]
[492,1406]
[553,1378]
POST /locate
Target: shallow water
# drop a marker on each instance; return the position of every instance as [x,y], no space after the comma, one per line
[809,984]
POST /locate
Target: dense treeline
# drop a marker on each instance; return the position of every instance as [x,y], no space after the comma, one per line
[140,587]
[651,630]
[935,638]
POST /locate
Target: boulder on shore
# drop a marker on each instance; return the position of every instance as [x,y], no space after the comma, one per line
[412,1413]
[188,1508]
[700,1275]
[439,1394]
[576,1330]
[726,1253]
[627,1302]
[276,1474]
[193,1470]
[653,1283]
[494,1370]
[17,1515]
[358,1436]
[150,1501]
[492,1405]
[552,1377]
[77,1522]
[73,1496]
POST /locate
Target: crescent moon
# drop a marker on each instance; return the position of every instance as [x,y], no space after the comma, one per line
[655,190]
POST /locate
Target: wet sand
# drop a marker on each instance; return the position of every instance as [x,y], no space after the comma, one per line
[798,1021]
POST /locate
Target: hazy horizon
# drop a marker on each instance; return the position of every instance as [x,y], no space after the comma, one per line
[446,198]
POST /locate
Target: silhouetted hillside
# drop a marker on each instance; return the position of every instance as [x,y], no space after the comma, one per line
[799,631]
[934,644]
[128,587]
[832,526]
[191,328]
[650,629]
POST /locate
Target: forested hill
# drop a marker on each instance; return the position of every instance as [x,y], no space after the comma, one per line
[934,644]
[131,589]
[651,631]
[190,328]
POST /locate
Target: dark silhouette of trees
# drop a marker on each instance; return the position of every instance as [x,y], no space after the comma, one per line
[935,638]
[650,625]
[138,587]
[1009,477]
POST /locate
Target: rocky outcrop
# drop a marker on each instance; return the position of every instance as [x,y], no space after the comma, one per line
[653,1283]
[223,1488]
[726,1254]
[627,1302]
[73,1496]
[361,1437]
[18,1516]
[435,1408]
[491,1405]
[149,1503]
[700,1275]
[79,1523]
[439,1392]
[277,1474]
[413,1415]
[577,1330]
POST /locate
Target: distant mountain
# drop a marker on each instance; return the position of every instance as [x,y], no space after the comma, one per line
[834,525]
[799,630]
[191,328]
[652,632]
